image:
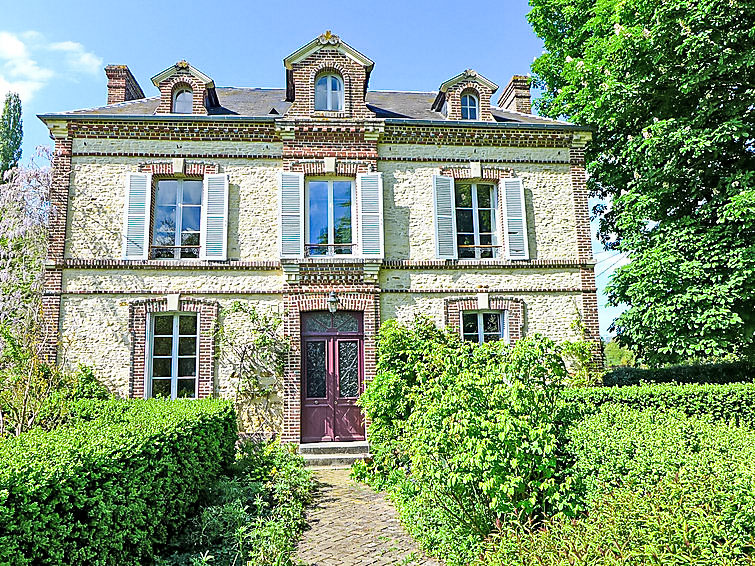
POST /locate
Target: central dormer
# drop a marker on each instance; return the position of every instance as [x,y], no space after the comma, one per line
[327,78]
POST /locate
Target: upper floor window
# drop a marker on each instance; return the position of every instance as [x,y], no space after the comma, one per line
[475,220]
[178,212]
[484,326]
[173,363]
[329,93]
[183,101]
[329,218]
[469,107]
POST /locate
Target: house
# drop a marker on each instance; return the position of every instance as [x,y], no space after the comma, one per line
[321,196]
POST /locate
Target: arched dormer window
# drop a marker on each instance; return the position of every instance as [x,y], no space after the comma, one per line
[470,109]
[329,92]
[183,101]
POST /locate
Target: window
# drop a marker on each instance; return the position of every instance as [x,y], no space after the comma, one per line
[475,221]
[484,326]
[329,218]
[173,363]
[178,212]
[469,107]
[329,93]
[183,102]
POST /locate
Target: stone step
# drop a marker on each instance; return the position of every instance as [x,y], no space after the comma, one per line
[334,448]
[331,460]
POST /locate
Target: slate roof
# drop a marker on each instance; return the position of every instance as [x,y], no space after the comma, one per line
[270,102]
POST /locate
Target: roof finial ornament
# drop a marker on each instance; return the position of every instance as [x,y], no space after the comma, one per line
[182,64]
[329,37]
[470,73]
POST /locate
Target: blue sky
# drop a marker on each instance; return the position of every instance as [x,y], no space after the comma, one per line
[53,52]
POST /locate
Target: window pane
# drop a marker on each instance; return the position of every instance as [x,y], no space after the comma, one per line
[491,322]
[483,196]
[192,192]
[485,219]
[161,388]
[318,212]
[190,218]
[348,369]
[335,100]
[321,93]
[491,337]
[163,254]
[186,388]
[164,325]
[165,219]
[472,337]
[183,102]
[187,325]
[464,221]
[187,346]
[342,212]
[315,367]
[166,192]
[190,239]
[464,240]
[486,240]
[163,346]
[187,367]
[165,239]
[470,323]
[161,367]
[464,196]
[335,84]
[472,113]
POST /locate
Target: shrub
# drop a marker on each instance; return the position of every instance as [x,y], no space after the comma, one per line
[728,402]
[110,490]
[712,373]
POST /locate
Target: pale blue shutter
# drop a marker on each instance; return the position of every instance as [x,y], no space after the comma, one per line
[213,238]
[445,217]
[136,217]
[515,219]
[292,215]
[370,195]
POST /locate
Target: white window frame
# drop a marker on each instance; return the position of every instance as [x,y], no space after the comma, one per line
[476,221]
[329,92]
[173,355]
[179,220]
[475,106]
[175,99]
[503,321]
[331,218]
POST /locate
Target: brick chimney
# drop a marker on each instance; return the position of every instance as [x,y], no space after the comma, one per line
[516,95]
[121,85]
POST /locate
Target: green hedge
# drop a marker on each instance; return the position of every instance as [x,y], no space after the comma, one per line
[712,373]
[111,489]
[728,402]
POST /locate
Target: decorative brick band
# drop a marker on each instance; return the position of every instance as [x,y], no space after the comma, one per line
[207,315]
[483,264]
[165,168]
[488,173]
[175,129]
[169,264]
[479,135]
[289,289]
[148,154]
[296,304]
[343,168]
[455,307]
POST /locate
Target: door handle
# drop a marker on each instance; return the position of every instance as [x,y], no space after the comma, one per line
[317,402]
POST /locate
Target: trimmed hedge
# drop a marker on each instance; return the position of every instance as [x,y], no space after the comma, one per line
[728,402]
[111,489]
[712,373]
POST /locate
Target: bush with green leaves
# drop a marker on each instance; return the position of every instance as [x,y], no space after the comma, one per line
[732,372]
[111,489]
[254,515]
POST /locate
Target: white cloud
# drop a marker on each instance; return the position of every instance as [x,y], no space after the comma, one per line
[28,62]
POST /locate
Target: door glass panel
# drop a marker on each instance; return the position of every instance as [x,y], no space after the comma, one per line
[348,369]
[317,322]
[346,322]
[315,363]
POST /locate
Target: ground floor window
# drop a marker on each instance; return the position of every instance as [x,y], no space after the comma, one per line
[484,326]
[173,363]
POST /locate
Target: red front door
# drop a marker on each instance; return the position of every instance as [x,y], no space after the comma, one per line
[332,376]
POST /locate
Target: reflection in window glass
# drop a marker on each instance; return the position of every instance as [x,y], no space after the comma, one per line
[183,102]
[329,93]
[475,221]
[177,220]
[329,218]
[173,364]
[484,326]
[469,107]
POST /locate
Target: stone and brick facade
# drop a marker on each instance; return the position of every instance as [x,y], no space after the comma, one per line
[98,303]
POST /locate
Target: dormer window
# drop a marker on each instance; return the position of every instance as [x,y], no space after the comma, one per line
[329,93]
[469,107]
[183,101]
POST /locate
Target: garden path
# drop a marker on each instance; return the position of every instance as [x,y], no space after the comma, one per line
[350,524]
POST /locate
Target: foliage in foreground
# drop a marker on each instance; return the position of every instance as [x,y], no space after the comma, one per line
[112,486]
[704,373]
[255,514]
[667,86]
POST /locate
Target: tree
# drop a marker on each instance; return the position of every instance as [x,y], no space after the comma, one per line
[668,87]
[11,133]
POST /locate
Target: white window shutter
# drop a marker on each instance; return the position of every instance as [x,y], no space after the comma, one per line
[213,239]
[515,219]
[136,217]
[370,203]
[292,215]
[445,217]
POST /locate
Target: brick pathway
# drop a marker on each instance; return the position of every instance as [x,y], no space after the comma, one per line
[352,525]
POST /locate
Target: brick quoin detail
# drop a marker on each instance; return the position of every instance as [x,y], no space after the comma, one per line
[297,303]
[207,315]
[515,308]
[590,314]
[581,207]
[52,285]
